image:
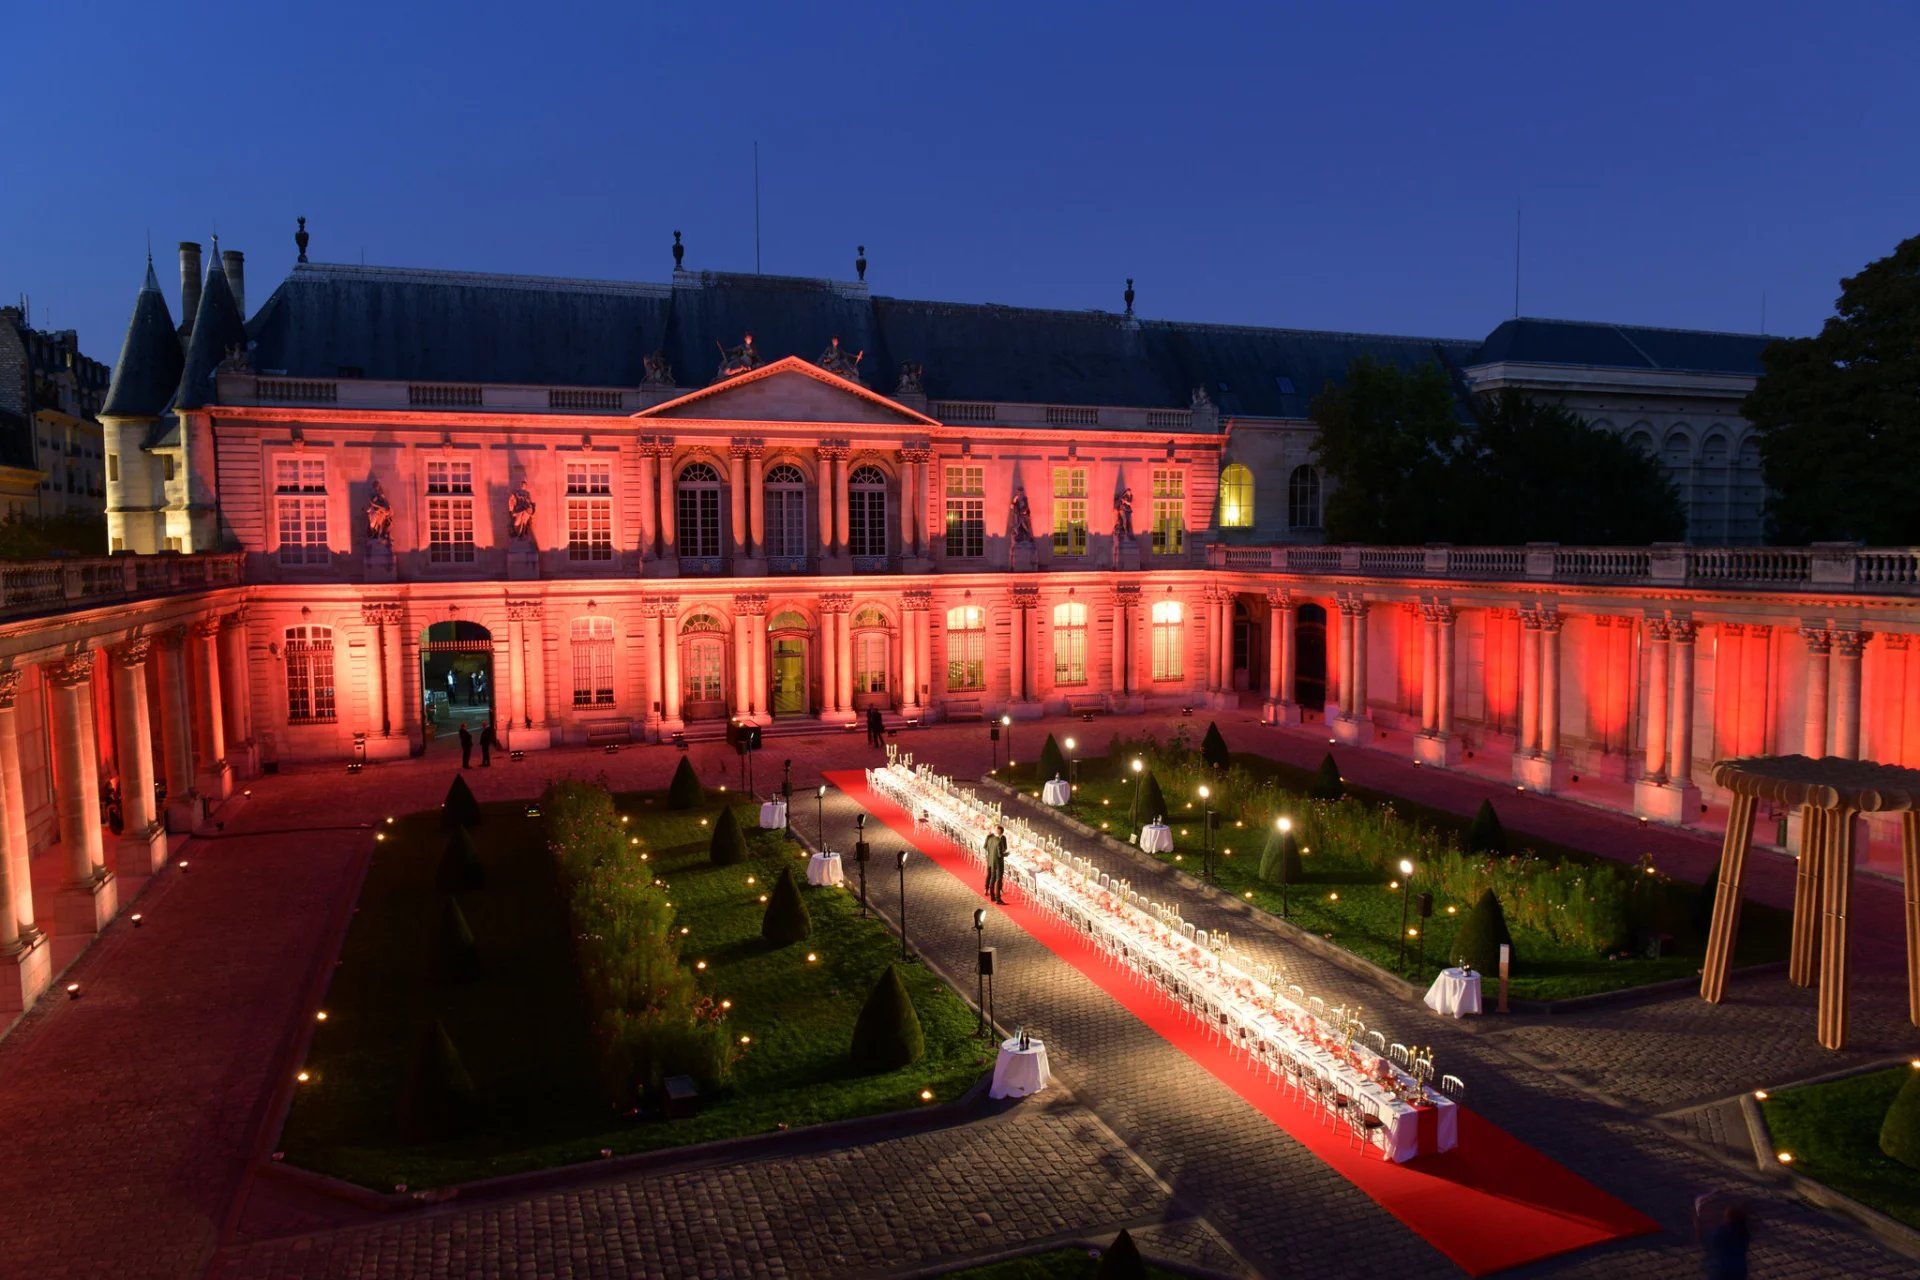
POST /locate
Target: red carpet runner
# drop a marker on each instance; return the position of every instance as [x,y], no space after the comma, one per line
[1491,1203]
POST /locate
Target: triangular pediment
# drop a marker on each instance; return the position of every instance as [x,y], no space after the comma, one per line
[788,390]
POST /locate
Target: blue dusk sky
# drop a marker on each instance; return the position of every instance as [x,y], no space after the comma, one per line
[1343,166]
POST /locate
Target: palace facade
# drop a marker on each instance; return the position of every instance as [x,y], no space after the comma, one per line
[586,512]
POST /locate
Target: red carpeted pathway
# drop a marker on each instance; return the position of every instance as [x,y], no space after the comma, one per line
[1491,1203]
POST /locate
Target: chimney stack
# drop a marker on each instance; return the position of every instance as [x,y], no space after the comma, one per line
[189,282]
[232,261]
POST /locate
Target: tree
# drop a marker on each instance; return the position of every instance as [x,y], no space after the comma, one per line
[1280,859]
[1839,414]
[1213,748]
[1485,834]
[728,848]
[459,955]
[786,920]
[460,868]
[684,791]
[887,1035]
[1149,805]
[1481,933]
[1900,1131]
[1327,782]
[1387,443]
[1053,763]
[439,1100]
[1122,1260]
[459,809]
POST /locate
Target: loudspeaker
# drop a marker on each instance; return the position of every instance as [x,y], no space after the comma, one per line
[1424,905]
[986,962]
[750,735]
[860,851]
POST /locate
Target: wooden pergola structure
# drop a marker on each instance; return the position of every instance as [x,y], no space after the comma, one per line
[1830,793]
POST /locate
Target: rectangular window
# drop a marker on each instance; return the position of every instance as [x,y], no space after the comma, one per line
[1070,643]
[166,466]
[1169,635]
[870,662]
[450,512]
[593,662]
[113,467]
[309,656]
[786,511]
[1169,511]
[1069,511]
[966,648]
[590,510]
[704,661]
[966,512]
[300,509]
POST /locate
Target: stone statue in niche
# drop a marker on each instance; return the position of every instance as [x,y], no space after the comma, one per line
[520,510]
[735,361]
[656,371]
[912,379]
[1020,520]
[1123,515]
[379,514]
[836,361]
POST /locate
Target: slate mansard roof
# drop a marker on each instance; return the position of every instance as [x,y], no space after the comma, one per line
[145,376]
[1616,346]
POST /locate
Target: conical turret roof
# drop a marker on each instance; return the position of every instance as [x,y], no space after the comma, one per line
[217,328]
[149,366]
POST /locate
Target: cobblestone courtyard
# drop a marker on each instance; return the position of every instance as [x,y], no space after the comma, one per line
[153,1100]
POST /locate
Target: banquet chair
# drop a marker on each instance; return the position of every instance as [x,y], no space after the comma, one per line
[1187,930]
[1378,1041]
[1398,1052]
[1422,1069]
[1200,938]
[1317,1006]
[1297,991]
[1452,1084]
[1368,1127]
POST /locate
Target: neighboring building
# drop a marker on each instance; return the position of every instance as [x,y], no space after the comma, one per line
[52,455]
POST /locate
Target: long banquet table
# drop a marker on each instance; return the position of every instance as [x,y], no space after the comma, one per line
[1198,972]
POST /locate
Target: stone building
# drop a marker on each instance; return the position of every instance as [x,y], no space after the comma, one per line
[52,456]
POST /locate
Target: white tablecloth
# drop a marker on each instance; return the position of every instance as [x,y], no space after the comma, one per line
[1056,792]
[1156,837]
[1454,993]
[824,868]
[773,814]
[1019,1072]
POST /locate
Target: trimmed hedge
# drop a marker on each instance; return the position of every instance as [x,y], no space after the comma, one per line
[1122,1260]
[787,920]
[684,792]
[1148,804]
[459,809]
[1327,783]
[728,848]
[459,869]
[1053,761]
[459,956]
[1480,936]
[1900,1131]
[439,1100]
[1213,748]
[1485,834]
[888,1034]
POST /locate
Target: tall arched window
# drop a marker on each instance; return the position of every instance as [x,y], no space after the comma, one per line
[870,641]
[592,662]
[1169,639]
[1070,643]
[867,512]
[698,511]
[966,648]
[705,659]
[1236,497]
[786,506]
[1303,498]
[309,658]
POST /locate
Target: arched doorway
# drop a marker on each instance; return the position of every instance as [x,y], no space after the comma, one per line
[872,659]
[1310,656]
[787,638]
[703,667]
[456,677]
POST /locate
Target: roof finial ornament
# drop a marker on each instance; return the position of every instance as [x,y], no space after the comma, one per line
[860,263]
[679,251]
[1129,295]
[300,239]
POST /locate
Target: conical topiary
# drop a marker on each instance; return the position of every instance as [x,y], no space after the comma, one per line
[1327,784]
[1484,833]
[1053,762]
[459,809]
[1900,1131]
[1149,804]
[1122,1260]
[439,1100]
[728,848]
[887,1035]
[786,920]
[684,791]
[459,956]
[1213,748]
[1280,860]
[460,868]
[1480,936]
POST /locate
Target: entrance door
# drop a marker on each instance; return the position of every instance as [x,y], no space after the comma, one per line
[789,677]
[869,669]
[456,678]
[1244,648]
[703,683]
[1310,656]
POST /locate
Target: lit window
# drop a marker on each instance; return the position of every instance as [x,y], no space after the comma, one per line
[449,512]
[1069,511]
[309,659]
[966,512]
[870,647]
[1169,633]
[867,512]
[966,648]
[1303,498]
[705,660]
[589,510]
[698,512]
[300,509]
[592,662]
[1070,643]
[786,513]
[1236,497]
[1169,511]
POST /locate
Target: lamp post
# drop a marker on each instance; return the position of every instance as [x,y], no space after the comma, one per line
[1073,767]
[1139,768]
[860,853]
[1206,831]
[819,816]
[980,965]
[904,952]
[786,794]
[1006,726]
[1285,827]
[993,743]
[1406,891]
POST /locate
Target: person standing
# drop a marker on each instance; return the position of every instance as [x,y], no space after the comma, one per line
[876,728]
[466,745]
[1726,1246]
[488,741]
[996,862]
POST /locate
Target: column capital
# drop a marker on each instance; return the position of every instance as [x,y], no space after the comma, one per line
[380,613]
[237,617]
[752,604]
[659,606]
[1659,630]
[1127,596]
[1896,641]
[1439,612]
[916,453]
[835,450]
[525,610]
[746,447]
[919,598]
[70,672]
[206,628]
[1818,638]
[1352,605]
[1733,628]
[1683,630]
[1550,620]
[1024,596]
[9,687]
[1848,644]
[836,602]
[657,446]
[132,653]
[1281,598]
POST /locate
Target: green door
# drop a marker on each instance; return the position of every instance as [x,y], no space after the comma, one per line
[789,677]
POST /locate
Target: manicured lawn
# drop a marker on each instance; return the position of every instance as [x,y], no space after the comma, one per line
[1832,1130]
[1060,1264]
[1348,900]
[522,1029]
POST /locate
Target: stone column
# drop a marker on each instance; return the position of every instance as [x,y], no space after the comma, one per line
[649,503]
[393,639]
[669,546]
[1550,623]
[1022,600]
[143,847]
[1819,644]
[909,701]
[823,479]
[1119,651]
[742,681]
[841,541]
[655,706]
[376,673]
[670,716]
[1359,661]
[1336,646]
[1443,724]
[843,656]
[517,713]
[1429,671]
[26,963]
[535,626]
[737,496]
[216,779]
[1846,705]
[909,547]
[829,674]
[237,681]
[176,733]
[1680,736]
[757,627]
[925,645]
[90,896]
[1654,707]
[1527,740]
[757,498]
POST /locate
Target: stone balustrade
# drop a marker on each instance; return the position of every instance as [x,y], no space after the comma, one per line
[35,587]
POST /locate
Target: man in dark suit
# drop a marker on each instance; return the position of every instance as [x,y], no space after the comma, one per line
[466,745]
[876,728]
[488,741]
[996,862]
